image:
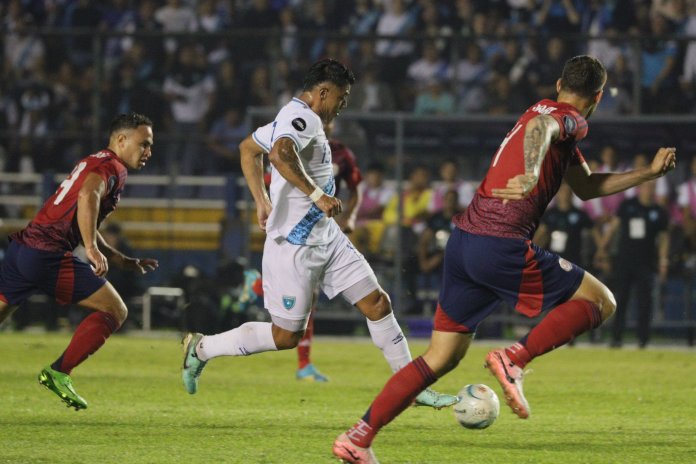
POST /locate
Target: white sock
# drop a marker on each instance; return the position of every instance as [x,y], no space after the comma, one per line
[249,338]
[387,335]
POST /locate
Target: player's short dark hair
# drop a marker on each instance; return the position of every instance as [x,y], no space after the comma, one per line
[128,121]
[328,70]
[583,75]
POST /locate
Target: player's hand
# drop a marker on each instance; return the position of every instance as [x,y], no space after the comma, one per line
[331,206]
[263,211]
[517,188]
[141,265]
[100,265]
[664,161]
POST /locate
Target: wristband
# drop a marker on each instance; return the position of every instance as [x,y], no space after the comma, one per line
[316,194]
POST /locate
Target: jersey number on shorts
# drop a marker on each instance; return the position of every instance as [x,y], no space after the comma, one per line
[505,142]
[67,184]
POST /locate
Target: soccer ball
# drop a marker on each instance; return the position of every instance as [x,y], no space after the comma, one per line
[478,407]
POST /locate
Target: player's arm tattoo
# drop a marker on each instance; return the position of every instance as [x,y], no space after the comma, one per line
[538,135]
[287,161]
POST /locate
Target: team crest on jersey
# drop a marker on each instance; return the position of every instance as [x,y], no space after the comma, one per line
[288,302]
[570,124]
[565,264]
[299,124]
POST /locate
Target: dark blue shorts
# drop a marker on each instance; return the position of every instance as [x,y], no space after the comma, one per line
[26,271]
[480,272]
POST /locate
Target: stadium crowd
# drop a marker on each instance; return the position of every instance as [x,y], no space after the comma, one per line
[196,65]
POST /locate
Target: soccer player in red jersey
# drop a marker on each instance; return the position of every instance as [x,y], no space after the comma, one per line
[490,257]
[40,256]
[345,168]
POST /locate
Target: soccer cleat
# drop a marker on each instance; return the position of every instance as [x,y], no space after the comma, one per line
[192,365]
[311,374]
[347,452]
[433,399]
[510,378]
[61,384]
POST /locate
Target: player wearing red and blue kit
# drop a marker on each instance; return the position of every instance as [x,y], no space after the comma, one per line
[40,256]
[490,258]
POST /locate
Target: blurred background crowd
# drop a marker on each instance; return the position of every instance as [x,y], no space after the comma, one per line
[199,69]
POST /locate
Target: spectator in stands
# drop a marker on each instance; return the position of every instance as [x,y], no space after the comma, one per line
[643,251]
[658,68]
[567,230]
[545,71]
[470,75]
[260,16]
[145,21]
[450,180]
[610,163]
[82,14]
[189,90]
[371,94]
[223,141]
[395,55]
[687,203]
[432,241]
[175,16]
[688,77]
[375,195]
[427,67]
[24,51]
[416,199]
[559,16]
[289,43]
[258,89]
[434,99]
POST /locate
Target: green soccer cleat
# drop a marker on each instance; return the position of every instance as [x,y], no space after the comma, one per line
[435,400]
[192,365]
[61,384]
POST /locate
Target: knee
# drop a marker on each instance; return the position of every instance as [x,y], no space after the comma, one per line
[606,302]
[119,312]
[379,308]
[441,363]
[285,340]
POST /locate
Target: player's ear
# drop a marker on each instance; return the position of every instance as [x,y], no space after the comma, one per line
[558,85]
[323,93]
[598,96]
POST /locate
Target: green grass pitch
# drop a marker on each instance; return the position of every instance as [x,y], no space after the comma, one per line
[589,405]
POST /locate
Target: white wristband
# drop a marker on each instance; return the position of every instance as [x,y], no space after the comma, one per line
[316,194]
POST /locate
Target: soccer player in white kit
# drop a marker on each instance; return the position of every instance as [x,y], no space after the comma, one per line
[305,248]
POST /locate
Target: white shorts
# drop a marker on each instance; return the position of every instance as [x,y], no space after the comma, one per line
[292,272]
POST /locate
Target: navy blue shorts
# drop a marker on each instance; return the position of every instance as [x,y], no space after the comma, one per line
[26,271]
[480,272]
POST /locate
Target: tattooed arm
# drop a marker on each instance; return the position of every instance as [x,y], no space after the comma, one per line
[588,185]
[539,133]
[286,160]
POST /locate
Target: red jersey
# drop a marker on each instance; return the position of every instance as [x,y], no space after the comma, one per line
[348,169]
[519,218]
[55,226]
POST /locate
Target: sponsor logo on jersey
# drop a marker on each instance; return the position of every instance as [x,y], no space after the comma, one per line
[565,264]
[288,302]
[299,124]
[543,109]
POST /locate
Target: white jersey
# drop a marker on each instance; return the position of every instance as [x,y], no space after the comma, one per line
[294,216]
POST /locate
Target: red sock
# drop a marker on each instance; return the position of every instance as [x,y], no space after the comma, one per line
[397,395]
[560,326]
[89,336]
[304,347]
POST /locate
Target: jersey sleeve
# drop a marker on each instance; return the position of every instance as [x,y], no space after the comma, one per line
[263,136]
[107,170]
[573,125]
[300,126]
